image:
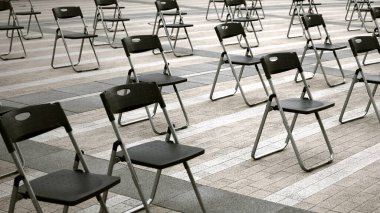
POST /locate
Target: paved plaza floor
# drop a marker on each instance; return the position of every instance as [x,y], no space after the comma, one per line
[229,179]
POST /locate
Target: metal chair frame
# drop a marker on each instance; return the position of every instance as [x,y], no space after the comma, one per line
[298,9]
[275,104]
[135,78]
[120,143]
[29,13]
[222,33]
[359,8]
[11,142]
[163,7]
[219,17]
[235,14]
[101,6]
[316,20]
[358,45]
[6,5]
[84,35]
[257,5]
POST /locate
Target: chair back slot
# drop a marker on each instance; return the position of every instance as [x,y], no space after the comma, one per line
[280,62]
[141,43]
[129,97]
[362,44]
[166,5]
[24,123]
[228,30]
[67,12]
[312,20]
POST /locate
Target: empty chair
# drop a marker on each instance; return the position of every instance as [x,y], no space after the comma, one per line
[63,187]
[114,19]
[296,10]
[155,154]
[12,26]
[224,31]
[31,13]
[72,13]
[164,6]
[375,13]
[315,20]
[213,2]
[143,43]
[278,63]
[361,6]
[237,12]
[255,6]
[362,44]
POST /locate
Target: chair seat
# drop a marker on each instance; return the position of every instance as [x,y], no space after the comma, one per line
[161,154]
[10,27]
[173,13]
[111,19]
[258,7]
[24,13]
[372,79]
[177,25]
[328,47]
[243,60]
[303,106]
[78,35]
[5,109]
[245,19]
[111,7]
[69,187]
[161,79]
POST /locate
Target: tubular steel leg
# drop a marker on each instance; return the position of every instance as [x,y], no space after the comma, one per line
[194,186]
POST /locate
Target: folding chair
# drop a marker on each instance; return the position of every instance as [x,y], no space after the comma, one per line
[362,44]
[5,5]
[175,14]
[296,9]
[360,7]
[235,14]
[101,6]
[64,187]
[228,30]
[3,110]
[219,17]
[375,13]
[164,6]
[143,43]
[278,63]
[31,12]
[255,6]
[156,154]
[72,13]
[315,20]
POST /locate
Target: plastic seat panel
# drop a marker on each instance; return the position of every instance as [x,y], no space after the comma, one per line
[372,79]
[243,60]
[10,27]
[329,47]
[161,79]
[177,25]
[303,106]
[79,35]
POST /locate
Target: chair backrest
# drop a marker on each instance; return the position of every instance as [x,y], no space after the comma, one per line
[312,20]
[362,44]
[231,3]
[141,43]
[105,2]
[166,5]
[129,97]
[280,62]
[375,13]
[228,30]
[24,123]
[5,5]
[67,12]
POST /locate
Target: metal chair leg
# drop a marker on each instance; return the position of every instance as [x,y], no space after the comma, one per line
[7,56]
[194,186]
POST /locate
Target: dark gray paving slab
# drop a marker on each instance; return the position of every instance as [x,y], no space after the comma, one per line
[86,88]
[114,81]
[12,104]
[182,86]
[41,97]
[83,104]
[197,68]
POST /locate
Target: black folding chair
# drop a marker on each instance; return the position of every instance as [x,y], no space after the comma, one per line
[228,30]
[315,20]
[237,12]
[296,10]
[31,13]
[164,6]
[175,14]
[72,13]
[256,5]
[362,6]
[213,2]
[12,26]
[375,13]
[100,15]
[64,187]
[278,63]
[155,154]
[362,44]
[143,43]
